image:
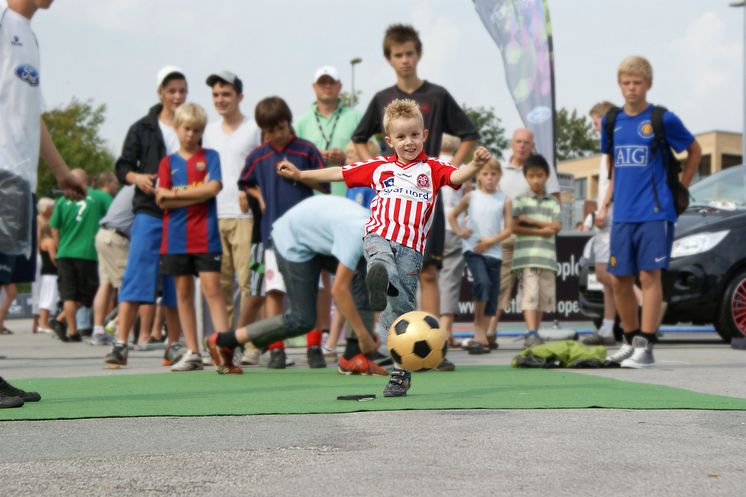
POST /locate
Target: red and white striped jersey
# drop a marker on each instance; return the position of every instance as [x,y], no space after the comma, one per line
[405,195]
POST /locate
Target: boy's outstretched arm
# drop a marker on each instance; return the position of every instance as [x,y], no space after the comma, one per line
[310,177]
[465,173]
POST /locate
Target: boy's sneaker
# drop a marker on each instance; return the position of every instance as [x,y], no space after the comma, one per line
[173,353]
[222,357]
[360,365]
[597,339]
[101,339]
[74,338]
[329,354]
[117,357]
[642,355]
[277,359]
[8,390]
[251,355]
[189,362]
[7,402]
[531,339]
[377,281]
[315,357]
[615,360]
[445,366]
[399,383]
[60,330]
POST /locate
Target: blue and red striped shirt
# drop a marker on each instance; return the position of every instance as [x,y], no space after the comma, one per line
[279,193]
[192,229]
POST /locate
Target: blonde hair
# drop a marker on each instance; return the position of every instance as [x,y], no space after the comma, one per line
[373,149]
[190,114]
[601,108]
[449,144]
[43,204]
[637,66]
[492,164]
[401,109]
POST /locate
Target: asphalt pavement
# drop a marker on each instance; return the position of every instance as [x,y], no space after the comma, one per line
[410,453]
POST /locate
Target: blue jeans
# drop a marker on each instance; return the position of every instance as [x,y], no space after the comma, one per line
[485,273]
[403,265]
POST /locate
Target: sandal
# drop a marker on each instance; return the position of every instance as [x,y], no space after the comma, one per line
[5,331]
[477,348]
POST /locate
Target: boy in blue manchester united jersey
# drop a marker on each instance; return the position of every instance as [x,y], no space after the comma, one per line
[644,210]
[188,182]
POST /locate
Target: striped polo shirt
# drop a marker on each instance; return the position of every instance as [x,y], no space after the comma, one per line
[534,251]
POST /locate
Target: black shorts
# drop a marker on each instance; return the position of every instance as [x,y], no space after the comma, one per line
[190,264]
[17,268]
[77,280]
[436,242]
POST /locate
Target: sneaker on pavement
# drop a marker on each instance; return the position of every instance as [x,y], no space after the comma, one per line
[377,280]
[277,359]
[315,357]
[597,339]
[8,390]
[531,339]
[117,357]
[615,360]
[60,330]
[399,383]
[360,364]
[189,362]
[330,355]
[445,366]
[222,357]
[101,339]
[8,402]
[642,354]
[173,353]
[74,338]
[251,355]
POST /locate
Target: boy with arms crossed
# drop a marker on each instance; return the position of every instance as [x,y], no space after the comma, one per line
[644,210]
[406,184]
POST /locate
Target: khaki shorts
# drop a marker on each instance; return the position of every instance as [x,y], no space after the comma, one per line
[112,251]
[536,290]
[507,279]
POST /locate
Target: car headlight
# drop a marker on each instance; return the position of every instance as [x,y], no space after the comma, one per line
[697,244]
[587,249]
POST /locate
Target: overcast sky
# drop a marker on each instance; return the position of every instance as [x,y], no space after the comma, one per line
[110,50]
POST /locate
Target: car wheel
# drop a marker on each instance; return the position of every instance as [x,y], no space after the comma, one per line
[731,319]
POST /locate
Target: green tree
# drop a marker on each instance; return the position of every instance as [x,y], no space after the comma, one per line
[491,132]
[575,135]
[75,131]
[350,100]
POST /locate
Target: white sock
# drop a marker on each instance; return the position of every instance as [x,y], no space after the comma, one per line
[99,330]
[607,328]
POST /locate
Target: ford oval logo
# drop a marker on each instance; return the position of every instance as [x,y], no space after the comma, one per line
[28,73]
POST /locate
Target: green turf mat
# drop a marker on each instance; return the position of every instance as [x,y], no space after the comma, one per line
[300,391]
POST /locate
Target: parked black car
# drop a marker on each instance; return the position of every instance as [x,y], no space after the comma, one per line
[706,280]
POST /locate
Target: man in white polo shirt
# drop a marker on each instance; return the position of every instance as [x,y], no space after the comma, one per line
[513,183]
[234,137]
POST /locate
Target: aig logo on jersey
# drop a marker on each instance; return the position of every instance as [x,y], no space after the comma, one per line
[631,156]
[28,73]
[645,130]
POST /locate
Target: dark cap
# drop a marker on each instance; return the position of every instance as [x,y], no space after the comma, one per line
[225,77]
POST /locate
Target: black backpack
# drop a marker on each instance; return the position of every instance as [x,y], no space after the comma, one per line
[679,192]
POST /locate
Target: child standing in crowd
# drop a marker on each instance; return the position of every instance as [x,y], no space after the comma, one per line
[278,195]
[188,182]
[536,221]
[489,220]
[406,185]
[48,295]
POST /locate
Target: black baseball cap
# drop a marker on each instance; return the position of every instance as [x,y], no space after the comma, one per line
[225,77]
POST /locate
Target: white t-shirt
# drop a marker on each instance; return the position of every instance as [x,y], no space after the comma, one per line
[169,138]
[603,180]
[233,149]
[21,102]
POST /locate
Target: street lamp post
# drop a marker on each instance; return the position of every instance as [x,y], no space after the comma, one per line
[740,3]
[353,62]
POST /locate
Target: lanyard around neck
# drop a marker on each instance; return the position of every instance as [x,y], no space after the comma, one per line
[327,140]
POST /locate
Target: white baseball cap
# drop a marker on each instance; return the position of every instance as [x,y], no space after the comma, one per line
[165,72]
[330,71]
